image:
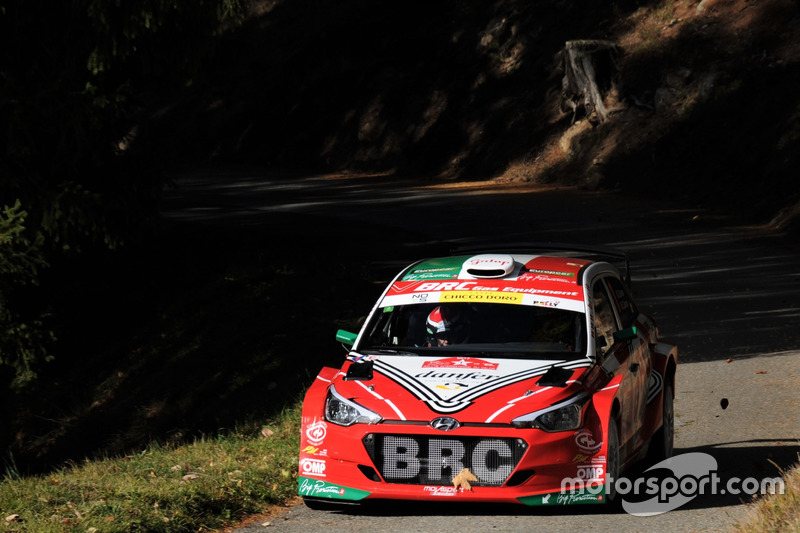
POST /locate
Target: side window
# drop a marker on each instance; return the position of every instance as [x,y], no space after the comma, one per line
[604,321]
[625,306]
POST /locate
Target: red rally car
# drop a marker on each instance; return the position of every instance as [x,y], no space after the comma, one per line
[496,377]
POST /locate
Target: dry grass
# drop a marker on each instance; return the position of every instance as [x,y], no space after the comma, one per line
[777,512]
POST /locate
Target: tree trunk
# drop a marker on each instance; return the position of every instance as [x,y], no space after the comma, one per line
[590,74]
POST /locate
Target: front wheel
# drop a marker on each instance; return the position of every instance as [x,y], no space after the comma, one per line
[612,460]
[663,441]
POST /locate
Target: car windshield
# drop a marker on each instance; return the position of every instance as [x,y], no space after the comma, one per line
[486,329]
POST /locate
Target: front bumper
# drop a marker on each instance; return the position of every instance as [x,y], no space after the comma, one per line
[405,462]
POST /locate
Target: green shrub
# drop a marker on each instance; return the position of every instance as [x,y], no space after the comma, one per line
[24,338]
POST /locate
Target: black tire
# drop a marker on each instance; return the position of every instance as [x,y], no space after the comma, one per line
[663,441]
[612,460]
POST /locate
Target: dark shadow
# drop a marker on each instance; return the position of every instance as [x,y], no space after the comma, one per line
[227,312]
[412,87]
[466,90]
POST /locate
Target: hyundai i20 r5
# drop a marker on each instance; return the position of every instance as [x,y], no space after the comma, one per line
[498,377]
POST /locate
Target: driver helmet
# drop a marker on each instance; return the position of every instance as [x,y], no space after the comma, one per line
[445,326]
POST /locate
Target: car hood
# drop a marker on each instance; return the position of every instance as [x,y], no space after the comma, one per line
[480,390]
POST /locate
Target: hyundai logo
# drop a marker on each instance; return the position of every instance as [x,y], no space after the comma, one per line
[445,423]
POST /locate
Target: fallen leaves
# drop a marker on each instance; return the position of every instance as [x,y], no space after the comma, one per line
[462,479]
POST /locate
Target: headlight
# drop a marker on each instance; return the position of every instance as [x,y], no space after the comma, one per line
[562,416]
[344,412]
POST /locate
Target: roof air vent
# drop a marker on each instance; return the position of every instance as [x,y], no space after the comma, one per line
[489,266]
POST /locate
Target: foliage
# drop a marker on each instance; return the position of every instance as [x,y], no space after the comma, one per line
[195,487]
[73,78]
[23,339]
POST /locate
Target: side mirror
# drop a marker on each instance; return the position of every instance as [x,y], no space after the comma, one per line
[346,338]
[627,334]
[611,363]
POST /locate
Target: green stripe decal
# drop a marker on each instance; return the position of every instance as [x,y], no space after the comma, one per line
[565,498]
[443,268]
[317,488]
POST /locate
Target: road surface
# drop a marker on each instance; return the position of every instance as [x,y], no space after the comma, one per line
[728,294]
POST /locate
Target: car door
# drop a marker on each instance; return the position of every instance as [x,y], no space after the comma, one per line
[639,354]
[631,365]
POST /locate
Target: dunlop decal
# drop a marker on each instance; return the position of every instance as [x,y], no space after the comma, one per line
[472,384]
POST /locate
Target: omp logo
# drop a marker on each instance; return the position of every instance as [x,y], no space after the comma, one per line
[313,467]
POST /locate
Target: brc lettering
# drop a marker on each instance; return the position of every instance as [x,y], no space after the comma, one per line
[490,460]
[446,286]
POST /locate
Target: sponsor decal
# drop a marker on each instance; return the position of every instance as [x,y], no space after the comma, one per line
[545,303]
[412,292]
[541,277]
[590,472]
[552,273]
[452,386]
[453,286]
[312,467]
[432,273]
[313,450]
[440,490]
[489,297]
[315,487]
[315,433]
[561,498]
[586,442]
[401,287]
[569,499]
[464,379]
[489,261]
[319,488]
[448,390]
[461,362]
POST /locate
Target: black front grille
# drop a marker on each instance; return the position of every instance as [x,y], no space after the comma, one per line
[434,460]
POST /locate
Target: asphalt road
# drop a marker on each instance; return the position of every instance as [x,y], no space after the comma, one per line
[726,293]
